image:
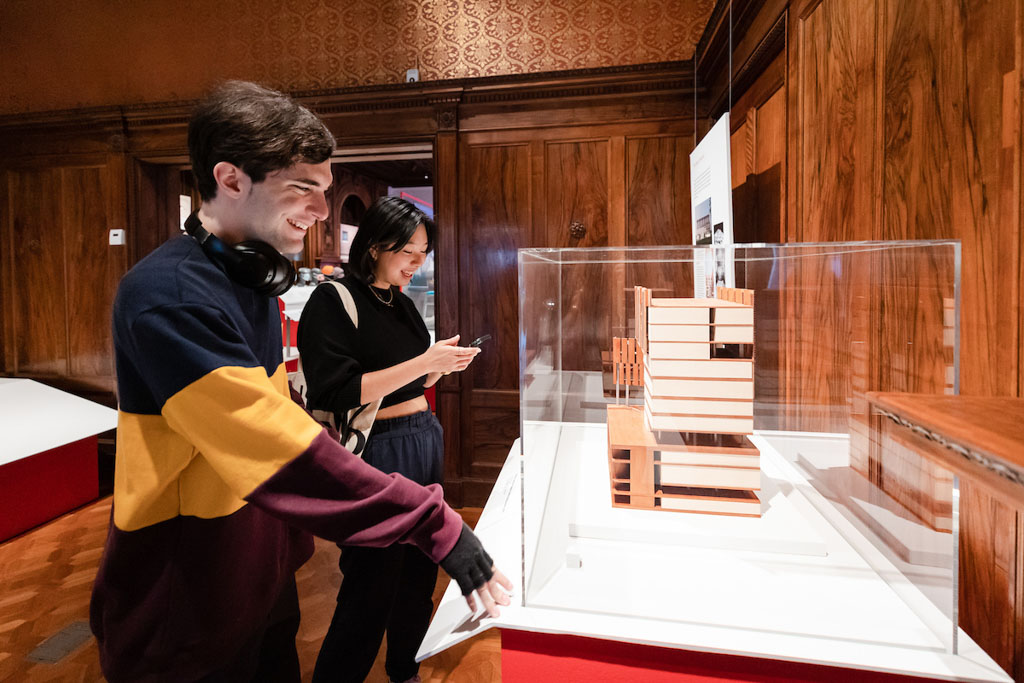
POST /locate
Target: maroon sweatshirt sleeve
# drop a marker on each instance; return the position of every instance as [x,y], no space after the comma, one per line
[334,494]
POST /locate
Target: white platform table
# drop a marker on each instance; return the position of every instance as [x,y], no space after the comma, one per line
[47,452]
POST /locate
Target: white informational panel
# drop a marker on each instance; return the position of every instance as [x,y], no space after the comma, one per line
[184,209]
[711,211]
[346,233]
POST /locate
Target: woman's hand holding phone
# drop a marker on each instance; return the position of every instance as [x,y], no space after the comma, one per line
[446,357]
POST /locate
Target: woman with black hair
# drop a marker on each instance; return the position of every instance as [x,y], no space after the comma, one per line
[386,356]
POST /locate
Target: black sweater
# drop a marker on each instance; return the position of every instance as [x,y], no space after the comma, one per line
[336,354]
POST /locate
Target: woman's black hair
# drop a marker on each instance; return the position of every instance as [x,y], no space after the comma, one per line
[388,225]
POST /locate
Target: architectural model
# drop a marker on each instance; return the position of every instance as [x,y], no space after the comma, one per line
[688,448]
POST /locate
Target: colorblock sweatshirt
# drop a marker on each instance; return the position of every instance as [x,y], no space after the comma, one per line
[219,476]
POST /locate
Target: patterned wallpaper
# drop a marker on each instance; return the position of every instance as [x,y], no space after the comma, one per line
[97,52]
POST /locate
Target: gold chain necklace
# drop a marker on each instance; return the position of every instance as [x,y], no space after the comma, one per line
[378,296]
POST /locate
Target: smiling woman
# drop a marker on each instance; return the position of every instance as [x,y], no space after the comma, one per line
[395,268]
[380,351]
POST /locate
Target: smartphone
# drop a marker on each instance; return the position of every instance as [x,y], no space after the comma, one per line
[480,340]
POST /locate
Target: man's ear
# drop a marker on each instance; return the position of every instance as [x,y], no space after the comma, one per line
[231,180]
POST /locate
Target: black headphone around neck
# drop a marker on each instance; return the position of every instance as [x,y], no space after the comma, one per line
[252,263]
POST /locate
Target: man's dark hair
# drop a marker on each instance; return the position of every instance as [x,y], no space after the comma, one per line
[388,225]
[255,128]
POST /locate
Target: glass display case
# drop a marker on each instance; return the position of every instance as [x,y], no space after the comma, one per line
[697,472]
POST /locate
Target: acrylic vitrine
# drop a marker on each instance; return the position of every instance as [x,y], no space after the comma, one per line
[852,551]
[743,509]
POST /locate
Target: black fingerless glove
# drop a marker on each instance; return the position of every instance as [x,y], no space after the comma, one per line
[468,563]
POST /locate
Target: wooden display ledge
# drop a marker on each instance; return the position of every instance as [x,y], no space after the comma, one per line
[979,438]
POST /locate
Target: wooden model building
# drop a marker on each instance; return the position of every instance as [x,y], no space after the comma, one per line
[687,449]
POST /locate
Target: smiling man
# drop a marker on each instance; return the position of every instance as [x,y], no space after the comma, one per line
[220,475]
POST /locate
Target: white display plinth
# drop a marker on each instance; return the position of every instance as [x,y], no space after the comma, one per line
[833,608]
[35,418]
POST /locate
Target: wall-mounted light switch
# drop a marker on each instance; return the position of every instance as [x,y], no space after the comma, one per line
[116,237]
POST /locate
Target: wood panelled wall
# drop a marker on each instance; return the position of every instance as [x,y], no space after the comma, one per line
[622,182]
[183,47]
[60,275]
[517,160]
[851,120]
[893,120]
[324,240]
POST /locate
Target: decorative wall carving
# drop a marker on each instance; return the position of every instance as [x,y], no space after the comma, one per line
[447,110]
[177,50]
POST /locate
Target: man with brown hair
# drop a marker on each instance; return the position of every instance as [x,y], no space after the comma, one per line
[220,476]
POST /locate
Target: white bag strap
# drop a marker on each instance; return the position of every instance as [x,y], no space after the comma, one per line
[357,423]
[299,377]
[353,313]
[348,302]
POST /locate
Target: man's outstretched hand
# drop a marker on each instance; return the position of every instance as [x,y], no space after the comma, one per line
[472,568]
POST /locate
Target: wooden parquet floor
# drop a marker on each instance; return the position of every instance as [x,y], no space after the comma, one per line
[46,577]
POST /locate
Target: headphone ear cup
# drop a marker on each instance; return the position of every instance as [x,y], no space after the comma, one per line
[260,267]
[252,264]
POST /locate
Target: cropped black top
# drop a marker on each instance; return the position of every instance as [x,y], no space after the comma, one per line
[336,354]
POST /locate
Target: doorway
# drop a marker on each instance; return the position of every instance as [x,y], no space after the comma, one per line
[361,175]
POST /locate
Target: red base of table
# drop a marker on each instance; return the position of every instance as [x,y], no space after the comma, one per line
[36,489]
[528,657]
